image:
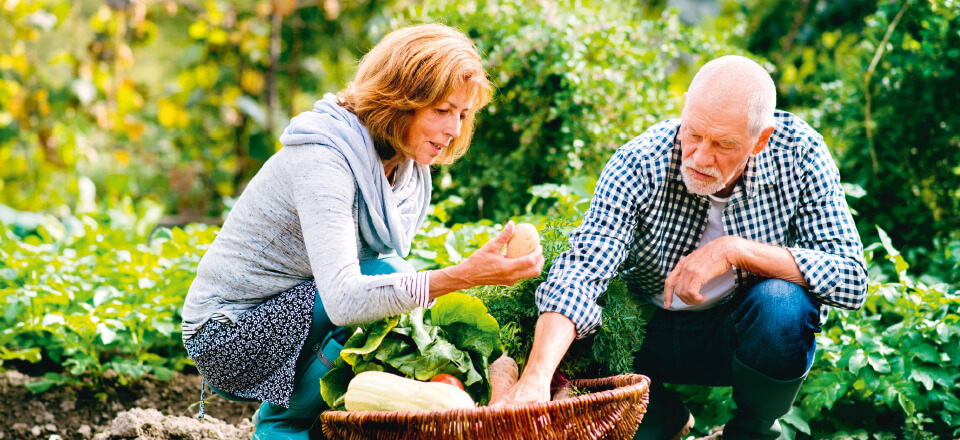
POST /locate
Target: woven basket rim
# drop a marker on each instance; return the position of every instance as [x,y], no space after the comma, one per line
[617,393]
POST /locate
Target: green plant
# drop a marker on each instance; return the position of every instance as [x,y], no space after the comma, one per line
[83,296]
[890,370]
[575,80]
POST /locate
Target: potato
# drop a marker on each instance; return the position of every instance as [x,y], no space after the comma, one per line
[525,239]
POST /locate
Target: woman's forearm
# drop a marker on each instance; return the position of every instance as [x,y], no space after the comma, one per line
[449,279]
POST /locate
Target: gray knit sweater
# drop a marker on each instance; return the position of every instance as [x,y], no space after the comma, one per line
[297,220]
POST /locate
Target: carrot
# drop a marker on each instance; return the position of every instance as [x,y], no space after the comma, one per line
[504,374]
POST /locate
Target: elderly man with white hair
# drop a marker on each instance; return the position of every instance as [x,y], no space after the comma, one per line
[732,221]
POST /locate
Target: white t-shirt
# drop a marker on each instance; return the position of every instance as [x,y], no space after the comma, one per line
[720,287]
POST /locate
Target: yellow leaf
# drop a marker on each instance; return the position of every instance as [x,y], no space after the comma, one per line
[251,81]
[167,113]
[231,93]
[123,158]
[198,30]
[218,36]
[15,62]
[225,188]
[214,13]
[186,80]
[40,97]
[206,75]
[128,100]
[134,130]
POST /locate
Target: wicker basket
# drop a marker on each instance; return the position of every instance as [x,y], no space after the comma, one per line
[612,411]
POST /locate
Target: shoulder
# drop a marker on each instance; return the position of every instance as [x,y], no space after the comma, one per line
[793,136]
[657,140]
[652,147]
[649,154]
[315,159]
[800,152]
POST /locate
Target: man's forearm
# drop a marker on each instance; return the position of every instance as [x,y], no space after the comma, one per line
[767,261]
[554,334]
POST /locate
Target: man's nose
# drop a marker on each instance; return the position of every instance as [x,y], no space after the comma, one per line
[701,156]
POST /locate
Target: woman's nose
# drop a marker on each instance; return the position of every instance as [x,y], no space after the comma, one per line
[452,127]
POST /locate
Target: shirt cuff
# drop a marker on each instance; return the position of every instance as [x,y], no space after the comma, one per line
[418,286]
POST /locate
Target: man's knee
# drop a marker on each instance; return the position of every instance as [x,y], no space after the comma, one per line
[776,326]
[780,303]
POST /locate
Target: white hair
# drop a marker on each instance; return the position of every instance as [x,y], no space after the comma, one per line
[736,74]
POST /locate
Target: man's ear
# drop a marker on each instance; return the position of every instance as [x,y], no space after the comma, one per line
[762,140]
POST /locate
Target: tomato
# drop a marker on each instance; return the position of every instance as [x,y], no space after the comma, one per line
[447,379]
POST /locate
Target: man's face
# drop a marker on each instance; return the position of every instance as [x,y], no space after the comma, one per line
[714,146]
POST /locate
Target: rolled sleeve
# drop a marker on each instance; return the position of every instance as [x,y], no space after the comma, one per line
[597,247]
[828,250]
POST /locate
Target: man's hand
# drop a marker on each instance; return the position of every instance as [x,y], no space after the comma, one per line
[554,334]
[712,260]
[700,266]
[527,390]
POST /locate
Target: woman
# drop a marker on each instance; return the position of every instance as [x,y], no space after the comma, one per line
[316,239]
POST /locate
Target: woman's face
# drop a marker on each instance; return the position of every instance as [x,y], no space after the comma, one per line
[435,127]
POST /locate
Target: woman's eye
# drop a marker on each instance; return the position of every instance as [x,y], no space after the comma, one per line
[443,111]
[696,137]
[463,116]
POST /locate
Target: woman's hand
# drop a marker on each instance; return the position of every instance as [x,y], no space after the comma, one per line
[487,266]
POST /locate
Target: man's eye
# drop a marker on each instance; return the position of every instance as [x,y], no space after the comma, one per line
[696,137]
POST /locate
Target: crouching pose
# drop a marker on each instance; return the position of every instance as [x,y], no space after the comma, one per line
[316,240]
[732,220]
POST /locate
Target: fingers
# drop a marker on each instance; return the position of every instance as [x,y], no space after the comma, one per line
[504,236]
[669,286]
[530,265]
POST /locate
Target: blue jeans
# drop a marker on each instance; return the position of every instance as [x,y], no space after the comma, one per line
[769,327]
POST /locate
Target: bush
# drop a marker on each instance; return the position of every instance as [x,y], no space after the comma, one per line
[891,370]
[573,85]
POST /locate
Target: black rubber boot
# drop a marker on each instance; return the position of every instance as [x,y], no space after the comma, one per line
[761,401]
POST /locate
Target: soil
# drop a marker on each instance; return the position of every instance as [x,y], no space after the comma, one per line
[145,408]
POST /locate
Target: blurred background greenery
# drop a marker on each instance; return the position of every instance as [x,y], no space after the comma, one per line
[123,121]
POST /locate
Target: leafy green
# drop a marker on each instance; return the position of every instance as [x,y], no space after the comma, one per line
[609,351]
[456,336]
[97,294]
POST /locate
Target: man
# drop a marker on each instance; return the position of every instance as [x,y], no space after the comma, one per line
[733,221]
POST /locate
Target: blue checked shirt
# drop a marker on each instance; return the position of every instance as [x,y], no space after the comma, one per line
[642,220]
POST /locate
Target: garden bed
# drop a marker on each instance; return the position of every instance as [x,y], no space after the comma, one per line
[74,411]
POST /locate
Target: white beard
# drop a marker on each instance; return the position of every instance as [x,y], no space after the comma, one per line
[698,186]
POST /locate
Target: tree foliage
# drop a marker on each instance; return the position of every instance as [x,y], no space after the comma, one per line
[876,78]
[573,84]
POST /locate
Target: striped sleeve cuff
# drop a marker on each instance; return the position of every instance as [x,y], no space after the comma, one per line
[418,286]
